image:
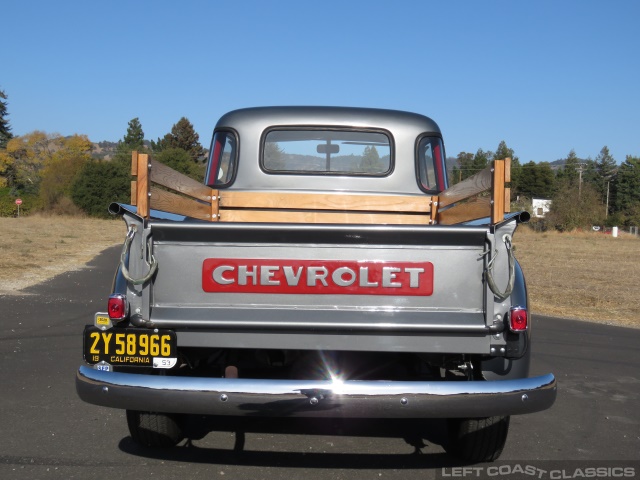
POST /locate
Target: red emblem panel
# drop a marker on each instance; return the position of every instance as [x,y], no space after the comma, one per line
[317,277]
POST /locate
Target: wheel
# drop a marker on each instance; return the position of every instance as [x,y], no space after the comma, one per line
[478,439]
[155,429]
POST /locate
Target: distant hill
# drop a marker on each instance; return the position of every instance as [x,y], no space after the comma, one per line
[559,164]
[105,150]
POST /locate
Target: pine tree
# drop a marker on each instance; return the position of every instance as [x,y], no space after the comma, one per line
[134,138]
[480,161]
[183,136]
[465,167]
[606,167]
[628,185]
[5,128]
[570,171]
[505,152]
[538,180]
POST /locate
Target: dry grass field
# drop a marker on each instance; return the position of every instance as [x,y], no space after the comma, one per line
[36,248]
[588,276]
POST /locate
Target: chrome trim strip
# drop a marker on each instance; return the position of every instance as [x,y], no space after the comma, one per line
[315,398]
[330,326]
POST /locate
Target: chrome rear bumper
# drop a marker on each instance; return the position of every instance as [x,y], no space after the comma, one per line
[301,398]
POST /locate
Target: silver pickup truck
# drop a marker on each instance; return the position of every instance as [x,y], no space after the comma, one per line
[323,269]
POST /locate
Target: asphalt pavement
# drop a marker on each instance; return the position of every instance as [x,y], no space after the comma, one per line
[47,432]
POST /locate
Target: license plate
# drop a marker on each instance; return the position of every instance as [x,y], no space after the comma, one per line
[130,347]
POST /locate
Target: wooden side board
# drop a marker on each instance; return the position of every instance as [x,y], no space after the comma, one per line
[167,177]
[463,212]
[334,202]
[185,196]
[310,216]
[170,202]
[493,178]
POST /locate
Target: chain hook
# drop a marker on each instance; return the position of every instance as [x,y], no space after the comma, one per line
[153,264]
[506,238]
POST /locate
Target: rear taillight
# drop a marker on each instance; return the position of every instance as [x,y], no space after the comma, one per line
[117,307]
[518,319]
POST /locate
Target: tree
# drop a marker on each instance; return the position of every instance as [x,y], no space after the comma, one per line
[100,183]
[537,180]
[21,163]
[589,172]
[6,168]
[61,170]
[182,136]
[134,138]
[570,172]
[627,198]
[5,128]
[605,169]
[464,168]
[480,161]
[572,208]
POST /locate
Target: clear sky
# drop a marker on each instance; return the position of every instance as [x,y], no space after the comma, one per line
[545,76]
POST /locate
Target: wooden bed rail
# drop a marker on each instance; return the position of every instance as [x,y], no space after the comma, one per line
[492,179]
[184,196]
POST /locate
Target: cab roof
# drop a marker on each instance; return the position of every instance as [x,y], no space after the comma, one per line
[354,117]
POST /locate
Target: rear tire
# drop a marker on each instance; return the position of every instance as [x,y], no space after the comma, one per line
[478,439]
[158,430]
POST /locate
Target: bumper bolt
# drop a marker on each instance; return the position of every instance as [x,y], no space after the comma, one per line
[223,398]
[314,401]
[105,389]
[404,401]
[525,397]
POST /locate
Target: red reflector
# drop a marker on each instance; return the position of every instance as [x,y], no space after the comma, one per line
[117,307]
[518,319]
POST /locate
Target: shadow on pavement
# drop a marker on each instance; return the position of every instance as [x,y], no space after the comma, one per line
[416,433]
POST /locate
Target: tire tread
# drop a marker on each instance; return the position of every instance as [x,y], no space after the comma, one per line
[152,429]
[478,439]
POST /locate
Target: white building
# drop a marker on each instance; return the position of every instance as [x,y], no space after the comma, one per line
[541,207]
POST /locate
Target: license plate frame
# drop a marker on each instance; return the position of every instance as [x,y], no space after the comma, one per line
[130,347]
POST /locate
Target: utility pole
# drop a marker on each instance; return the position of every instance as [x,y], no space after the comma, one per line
[580,181]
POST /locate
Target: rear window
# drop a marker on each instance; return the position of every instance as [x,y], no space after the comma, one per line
[327,152]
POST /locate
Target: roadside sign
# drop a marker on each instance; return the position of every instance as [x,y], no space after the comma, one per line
[18,201]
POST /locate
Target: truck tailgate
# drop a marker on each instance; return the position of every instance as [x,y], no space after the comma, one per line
[335,278]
